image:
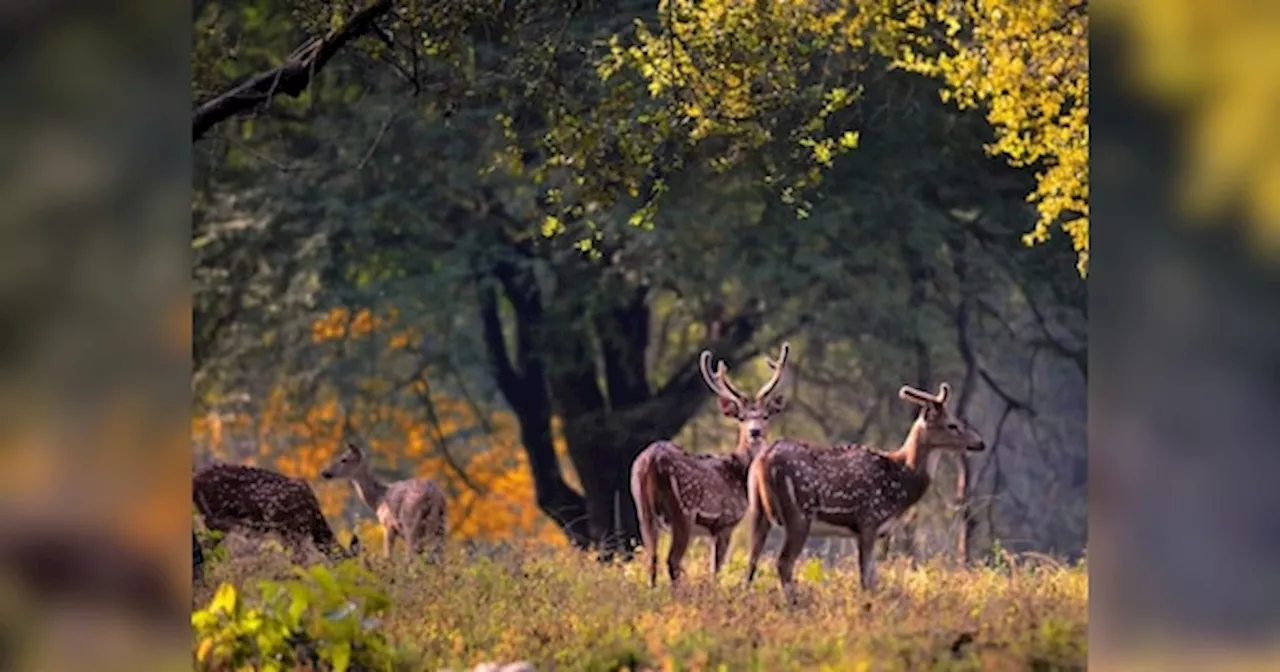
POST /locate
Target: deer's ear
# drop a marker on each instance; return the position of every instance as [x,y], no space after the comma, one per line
[944,393]
[729,407]
[355,449]
[776,403]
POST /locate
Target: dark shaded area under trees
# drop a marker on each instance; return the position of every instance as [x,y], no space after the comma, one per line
[371,181]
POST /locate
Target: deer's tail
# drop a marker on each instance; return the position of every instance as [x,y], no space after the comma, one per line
[644,490]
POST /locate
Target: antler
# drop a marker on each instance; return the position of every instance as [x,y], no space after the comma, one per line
[921,397]
[944,391]
[722,373]
[718,382]
[778,367]
[912,394]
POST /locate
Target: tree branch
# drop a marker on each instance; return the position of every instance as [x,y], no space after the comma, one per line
[624,338]
[291,78]
[442,440]
[509,382]
[521,289]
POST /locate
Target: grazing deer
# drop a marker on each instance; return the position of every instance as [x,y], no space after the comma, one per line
[703,495]
[413,508]
[847,486]
[238,497]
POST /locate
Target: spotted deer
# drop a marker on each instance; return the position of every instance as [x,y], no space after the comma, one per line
[847,487]
[703,495]
[413,508]
[235,497]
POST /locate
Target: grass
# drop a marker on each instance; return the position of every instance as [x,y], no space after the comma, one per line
[562,610]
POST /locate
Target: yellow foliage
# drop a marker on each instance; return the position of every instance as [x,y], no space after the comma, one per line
[1028,61]
[731,70]
[1214,61]
[561,609]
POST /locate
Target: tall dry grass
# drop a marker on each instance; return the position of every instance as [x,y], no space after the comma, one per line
[561,609]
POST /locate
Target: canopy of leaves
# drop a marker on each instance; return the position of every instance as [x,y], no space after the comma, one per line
[373,259]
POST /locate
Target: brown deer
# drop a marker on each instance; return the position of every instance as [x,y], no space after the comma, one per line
[703,495]
[413,508]
[251,499]
[847,486]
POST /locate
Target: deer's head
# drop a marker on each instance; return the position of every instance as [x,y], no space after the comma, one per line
[347,463]
[937,427]
[751,412]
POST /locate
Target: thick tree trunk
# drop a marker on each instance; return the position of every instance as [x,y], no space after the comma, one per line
[526,392]
[558,368]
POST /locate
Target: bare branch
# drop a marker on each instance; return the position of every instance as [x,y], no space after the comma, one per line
[291,78]
[442,440]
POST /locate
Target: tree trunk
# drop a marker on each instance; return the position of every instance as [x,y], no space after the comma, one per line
[526,392]
[964,513]
[558,368]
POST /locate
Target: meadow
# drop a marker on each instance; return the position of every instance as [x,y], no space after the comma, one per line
[562,610]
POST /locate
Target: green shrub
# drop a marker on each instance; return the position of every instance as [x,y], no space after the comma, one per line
[326,619]
[211,545]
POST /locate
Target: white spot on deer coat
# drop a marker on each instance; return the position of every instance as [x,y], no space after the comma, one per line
[846,483]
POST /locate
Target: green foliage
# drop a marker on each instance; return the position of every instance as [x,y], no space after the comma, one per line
[592,113]
[569,127]
[998,557]
[325,618]
[706,88]
[210,544]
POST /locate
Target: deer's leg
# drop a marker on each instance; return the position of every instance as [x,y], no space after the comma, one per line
[413,537]
[435,530]
[760,527]
[417,524]
[720,542]
[649,535]
[651,550]
[797,530]
[867,559]
[681,530]
[389,535]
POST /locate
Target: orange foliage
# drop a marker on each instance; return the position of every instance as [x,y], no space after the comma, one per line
[299,441]
[342,322]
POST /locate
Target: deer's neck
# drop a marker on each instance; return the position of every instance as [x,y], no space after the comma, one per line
[913,454]
[370,490]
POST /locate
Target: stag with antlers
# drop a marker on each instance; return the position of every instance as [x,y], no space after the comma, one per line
[239,497]
[846,486]
[413,508]
[703,495]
